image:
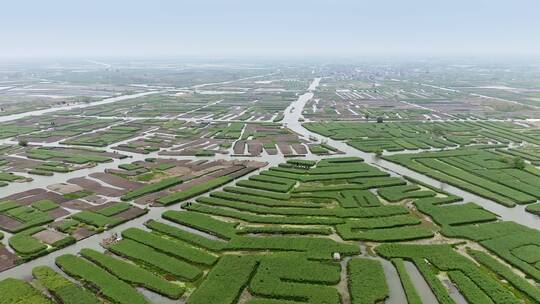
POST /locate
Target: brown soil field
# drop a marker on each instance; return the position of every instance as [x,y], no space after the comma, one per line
[8,223]
[7,259]
[116,181]
[96,187]
[49,236]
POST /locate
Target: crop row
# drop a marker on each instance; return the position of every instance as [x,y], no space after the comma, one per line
[18,291]
[476,284]
[456,214]
[502,238]
[405,233]
[29,247]
[112,288]
[258,200]
[507,274]
[481,171]
[176,249]
[406,282]
[194,191]
[133,274]
[292,277]
[225,281]
[259,185]
[153,259]
[253,192]
[398,193]
[96,219]
[358,198]
[324,212]
[186,236]
[162,184]
[314,247]
[202,222]
[263,219]
[61,288]
[285,230]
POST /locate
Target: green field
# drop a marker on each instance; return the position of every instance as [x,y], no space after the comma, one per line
[280,234]
[486,172]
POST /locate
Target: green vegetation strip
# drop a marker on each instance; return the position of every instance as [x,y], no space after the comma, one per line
[186,236]
[285,230]
[45,205]
[367,283]
[61,288]
[155,260]
[163,184]
[293,276]
[174,248]
[24,244]
[507,274]
[13,291]
[114,209]
[469,278]
[133,274]
[194,191]
[225,281]
[96,219]
[110,287]
[472,292]
[202,222]
[406,282]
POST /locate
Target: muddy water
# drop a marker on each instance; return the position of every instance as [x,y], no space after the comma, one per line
[396,293]
[425,293]
[454,293]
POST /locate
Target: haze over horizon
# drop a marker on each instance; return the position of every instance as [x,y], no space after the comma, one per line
[275,28]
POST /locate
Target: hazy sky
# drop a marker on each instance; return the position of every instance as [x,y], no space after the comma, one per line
[269,27]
